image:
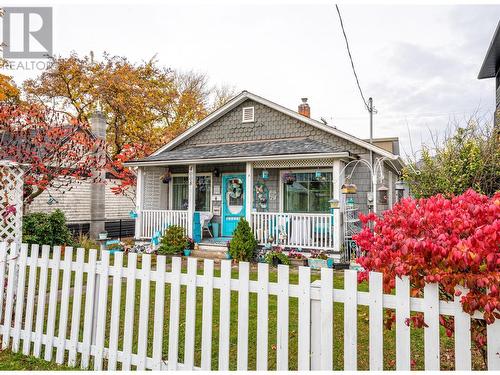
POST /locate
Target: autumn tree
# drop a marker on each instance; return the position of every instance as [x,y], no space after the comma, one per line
[56,149]
[144,103]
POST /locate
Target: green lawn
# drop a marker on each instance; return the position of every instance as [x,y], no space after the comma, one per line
[447,345]
[19,362]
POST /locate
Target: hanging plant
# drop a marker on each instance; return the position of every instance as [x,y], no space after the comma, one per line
[166,177]
[289,178]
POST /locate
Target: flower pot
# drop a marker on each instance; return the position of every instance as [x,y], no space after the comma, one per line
[298,262]
[187,252]
[228,256]
[317,264]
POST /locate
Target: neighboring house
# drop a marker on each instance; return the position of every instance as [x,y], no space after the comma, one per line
[76,203]
[491,66]
[235,163]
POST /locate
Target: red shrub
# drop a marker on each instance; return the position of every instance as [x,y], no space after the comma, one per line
[449,241]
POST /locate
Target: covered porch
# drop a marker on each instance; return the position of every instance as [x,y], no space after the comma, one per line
[284,196]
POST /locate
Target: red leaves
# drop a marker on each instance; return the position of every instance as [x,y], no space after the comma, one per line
[448,241]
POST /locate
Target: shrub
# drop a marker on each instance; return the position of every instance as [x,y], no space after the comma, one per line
[46,229]
[243,243]
[86,242]
[173,241]
[452,242]
[276,256]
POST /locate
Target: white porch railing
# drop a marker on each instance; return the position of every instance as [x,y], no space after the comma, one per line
[157,220]
[308,231]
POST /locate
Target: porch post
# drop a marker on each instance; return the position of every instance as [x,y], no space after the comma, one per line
[139,203]
[337,184]
[191,198]
[391,199]
[249,192]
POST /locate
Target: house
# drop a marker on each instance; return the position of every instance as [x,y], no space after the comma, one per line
[491,67]
[277,168]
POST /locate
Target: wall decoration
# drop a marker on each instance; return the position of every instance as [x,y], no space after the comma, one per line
[216,211]
[272,195]
[261,196]
[235,188]
[216,189]
[265,174]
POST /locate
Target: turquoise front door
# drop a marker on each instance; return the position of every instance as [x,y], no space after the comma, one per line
[233,202]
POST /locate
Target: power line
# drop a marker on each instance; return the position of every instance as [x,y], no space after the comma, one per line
[350,58]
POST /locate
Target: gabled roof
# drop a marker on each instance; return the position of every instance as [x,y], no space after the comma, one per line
[245,95]
[491,62]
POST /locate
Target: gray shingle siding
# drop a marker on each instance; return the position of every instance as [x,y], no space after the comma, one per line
[269,124]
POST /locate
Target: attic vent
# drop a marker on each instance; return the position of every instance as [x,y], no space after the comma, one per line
[248,114]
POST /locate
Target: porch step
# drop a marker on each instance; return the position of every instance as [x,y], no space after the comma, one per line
[210,251]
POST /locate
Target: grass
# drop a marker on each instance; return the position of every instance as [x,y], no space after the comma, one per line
[19,362]
[417,340]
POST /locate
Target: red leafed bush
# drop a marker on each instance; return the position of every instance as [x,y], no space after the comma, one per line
[454,242]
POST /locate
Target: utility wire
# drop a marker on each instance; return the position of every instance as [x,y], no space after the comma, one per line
[350,58]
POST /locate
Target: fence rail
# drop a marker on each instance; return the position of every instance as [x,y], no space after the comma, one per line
[308,231]
[36,313]
[158,220]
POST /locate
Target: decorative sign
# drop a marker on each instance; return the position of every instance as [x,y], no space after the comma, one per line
[216,189]
[272,195]
[261,196]
[216,211]
[216,198]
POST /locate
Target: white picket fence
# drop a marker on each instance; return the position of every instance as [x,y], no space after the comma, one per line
[99,332]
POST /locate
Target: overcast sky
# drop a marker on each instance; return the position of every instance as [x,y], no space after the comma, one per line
[419,63]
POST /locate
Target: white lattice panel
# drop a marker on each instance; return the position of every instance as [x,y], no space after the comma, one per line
[294,163]
[11,201]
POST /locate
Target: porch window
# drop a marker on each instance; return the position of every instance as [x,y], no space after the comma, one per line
[202,195]
[308,193]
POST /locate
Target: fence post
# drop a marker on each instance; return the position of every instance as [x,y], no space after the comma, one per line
[315,328]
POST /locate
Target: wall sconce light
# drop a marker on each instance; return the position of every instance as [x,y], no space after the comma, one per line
[216,172]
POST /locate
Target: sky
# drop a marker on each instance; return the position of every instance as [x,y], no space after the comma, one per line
[419,63]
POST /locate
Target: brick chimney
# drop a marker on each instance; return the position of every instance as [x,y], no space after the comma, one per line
[304,108]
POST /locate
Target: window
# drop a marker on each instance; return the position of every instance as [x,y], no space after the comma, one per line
[308,193]
[202,196]
[248,114]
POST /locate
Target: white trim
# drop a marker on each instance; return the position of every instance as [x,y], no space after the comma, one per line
[171,189]
[343,154]
[282,192]
[247,95]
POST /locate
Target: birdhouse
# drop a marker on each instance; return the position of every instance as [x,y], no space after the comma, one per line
[400,185]
[382,194]
[349,188]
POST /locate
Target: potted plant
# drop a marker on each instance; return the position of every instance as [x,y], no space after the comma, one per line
[288,178]
[103,235]
[189,247]
[276,256]
[296,258]
[319,259]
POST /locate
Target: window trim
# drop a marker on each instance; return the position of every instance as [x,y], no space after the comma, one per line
[171,188]
[281,184]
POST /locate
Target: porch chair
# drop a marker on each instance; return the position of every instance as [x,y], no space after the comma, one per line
[206,227]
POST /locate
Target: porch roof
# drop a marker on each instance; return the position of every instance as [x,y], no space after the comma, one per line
[244,150]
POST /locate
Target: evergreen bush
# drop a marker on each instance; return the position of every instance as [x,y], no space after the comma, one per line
[174,241]
[243,243]
[46,229]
